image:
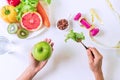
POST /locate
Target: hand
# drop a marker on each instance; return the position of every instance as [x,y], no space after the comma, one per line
[95,62]
[95,59]
[39,65]
[34,66]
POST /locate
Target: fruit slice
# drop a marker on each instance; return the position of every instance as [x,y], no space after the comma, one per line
[22,33]
[12,28]
[31,21]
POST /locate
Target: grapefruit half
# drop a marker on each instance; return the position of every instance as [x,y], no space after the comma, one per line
[31,21]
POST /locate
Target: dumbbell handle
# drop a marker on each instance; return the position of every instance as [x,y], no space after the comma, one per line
[82,20]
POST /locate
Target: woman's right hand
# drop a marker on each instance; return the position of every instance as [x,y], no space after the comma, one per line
[95,62]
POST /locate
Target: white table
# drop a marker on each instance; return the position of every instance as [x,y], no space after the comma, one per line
[69,60]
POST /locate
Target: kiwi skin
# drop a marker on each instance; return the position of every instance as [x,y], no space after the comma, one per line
[22,33]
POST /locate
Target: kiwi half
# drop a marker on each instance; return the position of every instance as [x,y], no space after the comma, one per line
[12,28]
[22,33]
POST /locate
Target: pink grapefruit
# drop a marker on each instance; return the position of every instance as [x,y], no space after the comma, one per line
[31,21]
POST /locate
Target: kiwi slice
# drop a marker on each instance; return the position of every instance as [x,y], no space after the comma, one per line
[12,28]
[22,33]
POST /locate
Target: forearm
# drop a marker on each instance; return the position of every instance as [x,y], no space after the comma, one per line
[28,74]
[99,75]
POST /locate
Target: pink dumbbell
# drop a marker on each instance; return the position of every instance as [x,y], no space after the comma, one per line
[93,30]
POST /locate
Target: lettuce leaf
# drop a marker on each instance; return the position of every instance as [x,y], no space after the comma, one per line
[75,36]
[25,6]
[48,1]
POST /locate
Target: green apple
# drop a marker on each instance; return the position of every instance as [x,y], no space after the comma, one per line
[42,51]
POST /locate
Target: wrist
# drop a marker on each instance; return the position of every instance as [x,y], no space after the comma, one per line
[97,72]
[32,69]
[28,74]
[98,75]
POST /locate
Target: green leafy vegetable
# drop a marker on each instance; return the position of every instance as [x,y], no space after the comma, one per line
[75,36]
[48,1]
[26,6]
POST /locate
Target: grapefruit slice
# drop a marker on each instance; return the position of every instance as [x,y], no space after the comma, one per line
[31,21]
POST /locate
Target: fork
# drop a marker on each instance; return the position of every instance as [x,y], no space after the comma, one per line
[84,45]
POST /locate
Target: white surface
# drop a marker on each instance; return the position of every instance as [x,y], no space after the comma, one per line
[69,60]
